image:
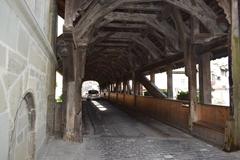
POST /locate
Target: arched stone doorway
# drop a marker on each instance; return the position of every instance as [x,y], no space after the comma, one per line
[22,140]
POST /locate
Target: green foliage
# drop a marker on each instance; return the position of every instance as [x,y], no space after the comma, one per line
[147,93]
[183,95]
[59,99]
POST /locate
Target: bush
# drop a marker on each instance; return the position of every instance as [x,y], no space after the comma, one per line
[183,95]
[59,99]
[147,93]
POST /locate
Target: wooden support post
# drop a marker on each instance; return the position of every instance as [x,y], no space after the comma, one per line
[65,49]
[117,89]
[152,78]
[134,88]
[64,92]
[232,131]
[114,87]
[191,71]
[125,87]
[138,88]
[169,83]
[205,79]
[108,91]
[134,83]
[189,60]
[192,86]
[68,21]
[73,130]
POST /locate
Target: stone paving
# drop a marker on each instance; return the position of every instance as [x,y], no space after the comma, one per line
[114,135]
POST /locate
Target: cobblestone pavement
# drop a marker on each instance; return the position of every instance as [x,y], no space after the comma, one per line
[113,135]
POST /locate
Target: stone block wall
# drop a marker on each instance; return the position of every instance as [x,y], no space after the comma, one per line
[27,65]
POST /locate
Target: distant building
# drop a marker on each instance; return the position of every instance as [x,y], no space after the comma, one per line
[219,81]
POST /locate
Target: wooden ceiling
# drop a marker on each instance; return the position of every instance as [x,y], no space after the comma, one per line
[139,34]
[61,7]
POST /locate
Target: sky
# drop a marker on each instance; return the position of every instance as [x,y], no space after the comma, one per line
[60,25]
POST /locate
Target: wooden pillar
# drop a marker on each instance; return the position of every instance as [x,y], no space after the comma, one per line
[138,88]
[205,79]
[108,91]
[152,78]
[64,91]
[232,132]
[134,84]
[73,131]
[124,87]
[192,87]
[189,59]
[191,71]
[66,52]
[117,91]
[134,88]
[68,21]
[169,83]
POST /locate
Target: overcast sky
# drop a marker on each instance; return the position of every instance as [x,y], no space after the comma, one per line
[60,25]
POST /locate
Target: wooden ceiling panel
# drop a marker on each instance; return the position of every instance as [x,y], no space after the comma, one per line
[61,7]
[141,34]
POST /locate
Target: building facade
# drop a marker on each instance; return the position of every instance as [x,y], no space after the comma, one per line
[27,75]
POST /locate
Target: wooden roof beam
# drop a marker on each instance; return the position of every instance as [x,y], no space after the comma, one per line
[146,43]
[162,27]
[198,9]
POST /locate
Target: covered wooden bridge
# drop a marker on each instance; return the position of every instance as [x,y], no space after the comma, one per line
[114,41]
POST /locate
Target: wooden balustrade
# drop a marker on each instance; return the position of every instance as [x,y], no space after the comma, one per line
[172,112]
[211,118]
[213,115]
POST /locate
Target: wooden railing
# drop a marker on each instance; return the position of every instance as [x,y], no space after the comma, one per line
[211,122]
[172,112]
[213,115]
[120,99]
[211,119]
[113,97]
[129,101]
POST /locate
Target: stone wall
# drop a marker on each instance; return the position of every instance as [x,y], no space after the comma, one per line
[27,65]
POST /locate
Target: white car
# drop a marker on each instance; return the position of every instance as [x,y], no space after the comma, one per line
[93,94]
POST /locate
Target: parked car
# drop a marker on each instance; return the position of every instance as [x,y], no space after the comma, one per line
[93,94]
